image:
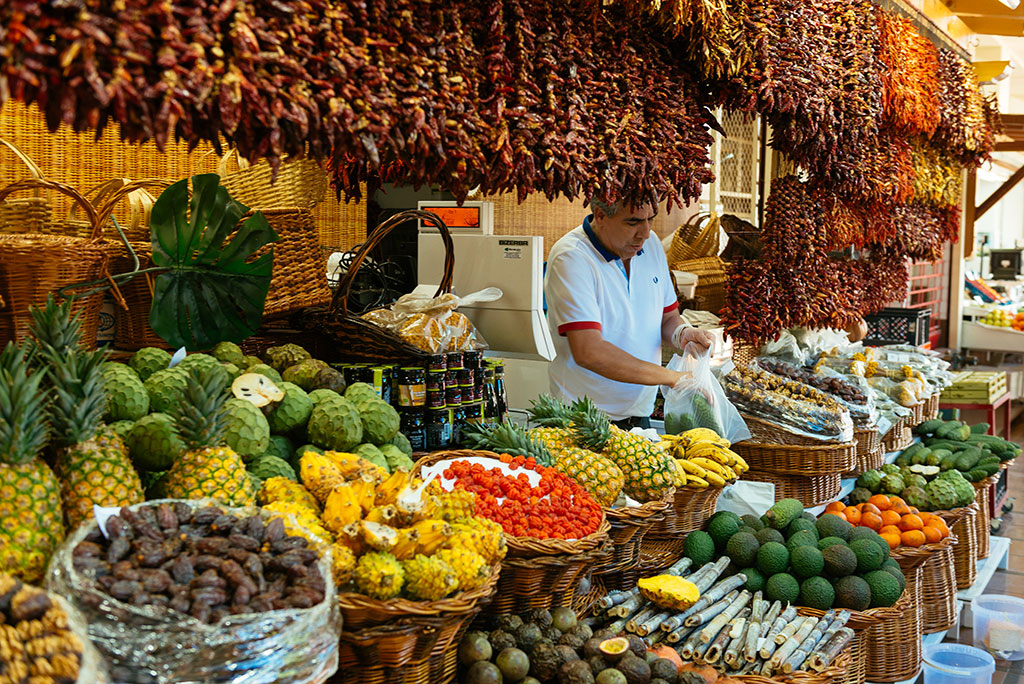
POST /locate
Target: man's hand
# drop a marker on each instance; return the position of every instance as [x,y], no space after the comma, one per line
[684,335]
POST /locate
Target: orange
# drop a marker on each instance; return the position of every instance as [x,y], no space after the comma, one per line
[911,522]
[871,520]
[915,511]
[880,501]
[913,538]
[900,507]
[931,534]
[890,529]
[893,540]
[893,499]
[835,507]
[870,508]
[890,518]
[852,515]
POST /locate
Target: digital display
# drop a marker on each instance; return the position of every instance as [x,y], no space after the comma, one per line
[457,217]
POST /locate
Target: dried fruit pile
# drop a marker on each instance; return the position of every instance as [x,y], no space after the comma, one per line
[523,95]
[36,644]
[205,562]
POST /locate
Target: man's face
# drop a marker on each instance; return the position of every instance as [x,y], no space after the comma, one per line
[625,233]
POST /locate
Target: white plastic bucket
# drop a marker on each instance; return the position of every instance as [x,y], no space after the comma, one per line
[999,625]
[957,664]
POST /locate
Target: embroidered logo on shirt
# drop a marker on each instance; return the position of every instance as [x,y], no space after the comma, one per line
[655,278]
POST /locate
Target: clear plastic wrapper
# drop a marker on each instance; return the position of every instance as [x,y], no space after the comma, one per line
[700,401]
[91,669]
[785,348]
[432,323]
[819,341]
[150,644]
[858,400]
[792,406]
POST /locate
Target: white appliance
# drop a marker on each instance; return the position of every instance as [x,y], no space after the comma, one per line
[468,218]
[514,326]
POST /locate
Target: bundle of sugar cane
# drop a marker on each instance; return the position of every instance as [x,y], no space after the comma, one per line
[830,648]
[649,611]
[738,626]
[631,606]
[767,622]
[757,611]
[771,639]
[679,633]
[708,574]
[792,643]
[712,629]
[796,661]
[726,637]
[651,623]
[703,609]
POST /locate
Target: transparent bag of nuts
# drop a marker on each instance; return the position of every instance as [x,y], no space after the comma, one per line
[156,645]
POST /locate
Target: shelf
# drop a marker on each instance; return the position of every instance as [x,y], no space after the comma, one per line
[999,548]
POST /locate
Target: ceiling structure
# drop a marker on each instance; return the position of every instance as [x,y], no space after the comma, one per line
[989,17]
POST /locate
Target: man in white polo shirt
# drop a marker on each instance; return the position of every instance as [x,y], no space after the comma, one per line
[611,304]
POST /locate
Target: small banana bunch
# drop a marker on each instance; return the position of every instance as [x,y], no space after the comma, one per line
[703,459]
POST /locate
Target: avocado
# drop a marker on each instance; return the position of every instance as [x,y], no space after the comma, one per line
[772,558]
[831,525]
[755,580]
[721,527]
[801,538]
[852,592]
[869,556]
[742,549]
[807,561]
[784,512]
[868,533]
[782,587]
[885,589]
[752,521]
[769,535]
[897,573]
[699,547]
[817,592]
[840,561]
[800,524]
[829,541]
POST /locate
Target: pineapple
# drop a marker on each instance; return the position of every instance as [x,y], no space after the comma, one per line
[596,473]
[507,438]
[31,525]
[92,460]
[555,419]
[209,469]
[557,440]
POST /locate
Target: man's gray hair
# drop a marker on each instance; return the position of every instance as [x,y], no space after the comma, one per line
[606,208]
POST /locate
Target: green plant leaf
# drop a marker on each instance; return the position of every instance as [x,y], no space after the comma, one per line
[213,289]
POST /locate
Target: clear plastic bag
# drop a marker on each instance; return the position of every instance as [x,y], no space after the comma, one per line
[855,398]
[147,644]
[432,323]
[785,348]
[700,401]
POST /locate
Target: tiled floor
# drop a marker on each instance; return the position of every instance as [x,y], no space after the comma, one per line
[1011,580]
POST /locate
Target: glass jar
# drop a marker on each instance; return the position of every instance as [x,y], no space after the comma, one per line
[439,429]
[437,362]
[381,381]
[414,427]
[453,396]
[454,360]
[472,359]
[412,387]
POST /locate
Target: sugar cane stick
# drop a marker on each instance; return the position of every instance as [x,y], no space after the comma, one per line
[717,646]
[698,653]
[702,571]
[749,649]
[679,567]
[766,669]
[614,598]
[709,577]
[628,607]
[768,644]
[655,638]
[640,618]
[688,647]
[652,623]
[730,656]
[679,633]
[709,612]
[769,619]
[789,630]
[824,655]
[722,619]
[713,595]
[791,644]
[840,620]
[796,661]
[617,627]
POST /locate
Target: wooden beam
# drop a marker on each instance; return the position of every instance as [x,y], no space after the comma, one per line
[1000,192]
[1014,146]
[996,26]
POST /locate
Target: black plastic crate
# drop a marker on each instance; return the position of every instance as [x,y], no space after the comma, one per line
[898,326]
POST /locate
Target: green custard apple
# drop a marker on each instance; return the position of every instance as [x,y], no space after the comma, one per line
[265,370]
[228,352]
[280,446]
[149,360]
[292,412]
[284,356]
[335,424]
[153,443]
[166,389]
[247,430]
[266,467]
[380,421]
[127,398]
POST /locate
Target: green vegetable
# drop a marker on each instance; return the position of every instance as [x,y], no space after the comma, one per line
[830,525]
[980,429]
[929,426]
[784,512]
[772,558]
[782,587]
[817,592]
[699,547]
[742,549]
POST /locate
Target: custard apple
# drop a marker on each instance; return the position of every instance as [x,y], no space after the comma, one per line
[122,427]
[358,392]
[859,495]
[153,442]
[915,480]
[890,469]
[198,361]
[284,356]
[127,398]
[335,424]
[228,352]
[149,360]
[265,370]
[941,495]
[402,442]
[372,454]
[380,421]
[117,367]
[964,492]
[304,372]
[870,480]
[292,412]
[233,370]
[266,467]
[892,484]
[247,430]
[330,379]
[917,497]
[251,361]
[280,446]
[396,458]
[166,389]
[319,394]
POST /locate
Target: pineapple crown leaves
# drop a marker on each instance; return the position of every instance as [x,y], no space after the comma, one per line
[507,438]
[23,427]
[200,415]
[74,375]
[590,425]
[550,412]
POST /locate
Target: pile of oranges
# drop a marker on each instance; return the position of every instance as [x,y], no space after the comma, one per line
[896,522]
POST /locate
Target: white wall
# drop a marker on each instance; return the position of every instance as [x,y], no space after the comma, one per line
[1004,222]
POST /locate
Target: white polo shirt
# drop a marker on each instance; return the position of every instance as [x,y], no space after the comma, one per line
[586,287]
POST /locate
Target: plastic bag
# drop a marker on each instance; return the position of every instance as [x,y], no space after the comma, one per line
[91,668]
[148,644]
[785,348]
[432,323]
[857,399]
[699,401]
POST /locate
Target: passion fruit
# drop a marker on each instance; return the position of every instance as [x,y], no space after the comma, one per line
[614,649]
[474,647]
[637,645]
[513,663]
[636,669]
[592,647]
[563,618]
[663,668]
[611,676]
[575,672]
[483,672]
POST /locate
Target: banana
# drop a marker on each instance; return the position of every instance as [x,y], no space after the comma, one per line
[722,455]
[703,436]
[709,465]
[740,465]
[691,468]
[730,474]
[715,479]
[694,481]
[679,479]
[703,450]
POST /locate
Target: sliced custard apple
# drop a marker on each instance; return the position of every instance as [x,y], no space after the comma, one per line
[265,370]
[257,389]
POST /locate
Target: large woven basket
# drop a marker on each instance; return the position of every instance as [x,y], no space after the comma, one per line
[937,584]
[34,265]
[659,552]
[893,647]
[629,525]
[931,411]
[870,455]
[402,641]
[983,520]
[358,338]
[537,573]
[25,214]
[771,433]
[899,437]
[836,673]
[297,183]
[813,490]
[965,555]
[697,238]
[919,411]
[689,510]
[743,353]
[826,459]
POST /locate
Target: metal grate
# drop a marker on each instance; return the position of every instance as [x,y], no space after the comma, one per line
[735,163]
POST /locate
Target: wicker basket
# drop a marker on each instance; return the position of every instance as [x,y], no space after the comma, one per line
[690,509]
[537,573]
[811,491]
[938,590]
[299,183]
[918,417]
[402,641]
[771,433]
[965,554]
[711,278]
[698,237]
[931,411]
[629,524]
[25,214]
[868,440]
[893,647]
[899,437]
[983,520]
[827,459]
[836,673]
[658,553]
[33,266]
[743,353]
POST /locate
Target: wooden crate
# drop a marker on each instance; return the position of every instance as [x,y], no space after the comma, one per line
[977,387]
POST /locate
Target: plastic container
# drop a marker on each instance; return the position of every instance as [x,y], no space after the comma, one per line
[957,664]
[999,625]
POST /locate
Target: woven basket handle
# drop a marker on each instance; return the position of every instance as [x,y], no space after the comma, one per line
[137,192]
[33,168]
[340,300]
[42,184]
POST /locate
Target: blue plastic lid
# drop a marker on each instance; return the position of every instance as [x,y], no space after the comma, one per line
[959,660]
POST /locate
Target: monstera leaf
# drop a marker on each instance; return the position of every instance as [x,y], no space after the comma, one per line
[213,289]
